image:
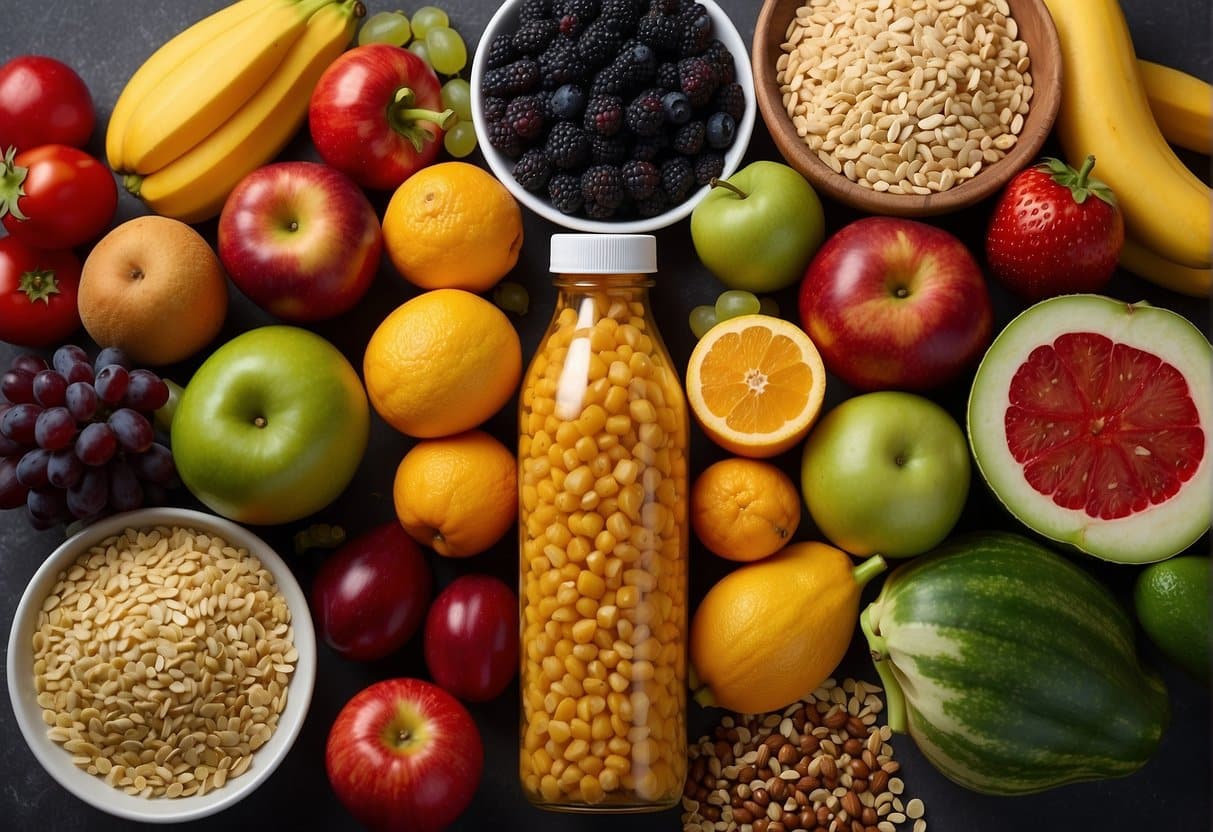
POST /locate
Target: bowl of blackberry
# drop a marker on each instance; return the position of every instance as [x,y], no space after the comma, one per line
[612,115]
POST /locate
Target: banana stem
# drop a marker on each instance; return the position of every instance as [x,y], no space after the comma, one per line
[410,121]
[132,182]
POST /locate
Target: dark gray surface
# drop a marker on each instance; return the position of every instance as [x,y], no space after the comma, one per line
[106,41]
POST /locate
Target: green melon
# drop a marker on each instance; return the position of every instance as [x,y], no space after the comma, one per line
[1089,418]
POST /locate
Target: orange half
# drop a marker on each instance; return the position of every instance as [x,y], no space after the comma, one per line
[755,384]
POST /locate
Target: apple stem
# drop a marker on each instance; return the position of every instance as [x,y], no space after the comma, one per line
[724,183]
[410,121]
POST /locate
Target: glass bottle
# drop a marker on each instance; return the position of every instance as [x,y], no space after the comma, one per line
[603,526]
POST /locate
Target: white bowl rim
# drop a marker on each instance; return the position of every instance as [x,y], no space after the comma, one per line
[723,29]
[94,790]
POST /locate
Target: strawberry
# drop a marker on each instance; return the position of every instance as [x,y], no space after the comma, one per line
[1048,236]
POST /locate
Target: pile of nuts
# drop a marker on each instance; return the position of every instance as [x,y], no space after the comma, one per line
[822,765]
[906,96]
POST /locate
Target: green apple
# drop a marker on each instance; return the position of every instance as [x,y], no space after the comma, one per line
[758,229]
[272,426]
[886,473]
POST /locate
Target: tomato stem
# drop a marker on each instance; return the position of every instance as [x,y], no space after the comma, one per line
[39,285]
[12,186]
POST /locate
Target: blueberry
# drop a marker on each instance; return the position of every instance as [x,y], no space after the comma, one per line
[720,130]
[676,107]
[567,101]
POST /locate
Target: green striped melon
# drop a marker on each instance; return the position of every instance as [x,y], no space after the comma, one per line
[1012,668]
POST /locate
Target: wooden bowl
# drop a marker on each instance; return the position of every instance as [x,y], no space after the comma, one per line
[1036,29]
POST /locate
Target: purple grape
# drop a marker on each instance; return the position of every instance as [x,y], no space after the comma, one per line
[134,431]
[111,355]
[64,468]
[80,372]
[147,392]
[55,428]
[111,383]
[96,444]
[46,506]
[30,362]
[17,386]
[9,447]
[155,465]
[18,422]
[81,400]
[31,469]
[125,492]
[12,492]
[67,356]
[88,497]
[154,495]
[50,388]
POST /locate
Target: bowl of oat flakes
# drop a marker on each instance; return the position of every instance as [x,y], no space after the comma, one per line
[907,107]
[161,664]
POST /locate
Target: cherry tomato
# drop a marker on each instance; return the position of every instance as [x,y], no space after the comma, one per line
[37,294]
[43,101]
[56,196]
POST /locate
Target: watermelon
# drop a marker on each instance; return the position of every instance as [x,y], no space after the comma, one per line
[1013,670]
[1089,419]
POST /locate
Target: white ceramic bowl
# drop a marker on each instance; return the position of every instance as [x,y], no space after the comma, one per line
[94,790]
[506,20]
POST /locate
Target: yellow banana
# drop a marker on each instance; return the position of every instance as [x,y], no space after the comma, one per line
[193,187]
[164,60]
[1182,105]
[1139,260]
[1104,112]
[209,86]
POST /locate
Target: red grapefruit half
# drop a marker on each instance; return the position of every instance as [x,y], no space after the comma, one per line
[1090,419]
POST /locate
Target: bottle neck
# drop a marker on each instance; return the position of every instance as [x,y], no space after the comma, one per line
[603,281]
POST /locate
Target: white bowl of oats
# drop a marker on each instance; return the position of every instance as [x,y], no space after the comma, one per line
[161,664]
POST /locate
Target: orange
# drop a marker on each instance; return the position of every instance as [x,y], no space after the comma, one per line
[452,226]
[744,509]
[459,494]
[442,363]
[755,384]
[155,288]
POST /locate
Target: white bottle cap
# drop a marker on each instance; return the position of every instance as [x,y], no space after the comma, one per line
[604,254]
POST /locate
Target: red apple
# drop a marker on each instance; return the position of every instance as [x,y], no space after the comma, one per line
[894,303]
[404,754]
[300,239]
[370,596]
[471,637]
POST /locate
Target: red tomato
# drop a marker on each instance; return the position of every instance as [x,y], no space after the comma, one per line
[56,196]
[37,294]
[43,101]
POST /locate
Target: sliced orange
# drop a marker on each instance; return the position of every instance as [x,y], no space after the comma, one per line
[755,384]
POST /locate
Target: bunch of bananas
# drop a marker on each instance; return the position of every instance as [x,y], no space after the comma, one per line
[222,98]
[1127,113]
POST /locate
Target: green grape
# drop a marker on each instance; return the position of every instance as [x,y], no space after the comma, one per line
[457,94]
[385,27]
[767,305]
[448,53]
[512,297]
[703,318]
[427,18]
[460,140]
[418,48]
[736,302]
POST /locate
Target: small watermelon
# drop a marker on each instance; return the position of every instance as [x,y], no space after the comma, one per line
[1090,419]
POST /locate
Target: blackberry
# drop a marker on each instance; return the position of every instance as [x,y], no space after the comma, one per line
[644,116]
[666,7]
[503,137]
[648,148]
[533,170]
[721,128]
[630,9]
[560,64]
[677,178]
[708,166]
[721,58]
[694,30]
[640,179]
[697,78]
[600,42]
[534,10]
[567,101]
[602,190]
[527,114]
[608,81]
[494,108]
[500,51]
[511,80]
[653,205]
[676,107]
[574,15]
[564,189]
[603,115]
[667,75]
[689,138]
[659,31]
[609,150]
[533,36]
[567,145]
[638,63]
[730,99]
